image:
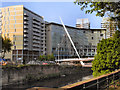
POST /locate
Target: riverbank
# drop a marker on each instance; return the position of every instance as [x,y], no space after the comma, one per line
[40,73]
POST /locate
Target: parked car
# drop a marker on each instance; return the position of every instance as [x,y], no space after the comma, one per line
[3,62]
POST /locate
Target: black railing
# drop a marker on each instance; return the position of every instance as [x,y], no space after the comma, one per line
[99,83]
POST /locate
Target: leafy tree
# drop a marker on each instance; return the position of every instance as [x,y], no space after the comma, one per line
[52,58]
[6,45]
[42,58]
[47,57]
[112,9]
[108,55]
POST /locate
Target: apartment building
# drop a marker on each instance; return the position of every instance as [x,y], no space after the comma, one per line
[85,40]
[26,30]
[109,25]
[83,23]
[32,36]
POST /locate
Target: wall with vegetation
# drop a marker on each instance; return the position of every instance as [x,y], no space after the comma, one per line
[22,74]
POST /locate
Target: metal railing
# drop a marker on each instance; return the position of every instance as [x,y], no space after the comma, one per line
[99,83]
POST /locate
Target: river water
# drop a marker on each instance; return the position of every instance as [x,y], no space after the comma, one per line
[53,82]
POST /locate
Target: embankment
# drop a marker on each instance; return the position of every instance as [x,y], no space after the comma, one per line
[16,75]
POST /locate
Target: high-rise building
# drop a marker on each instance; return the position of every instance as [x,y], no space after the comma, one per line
[32,36]
[83,23]
[26,30]
[109,25]
[85,40]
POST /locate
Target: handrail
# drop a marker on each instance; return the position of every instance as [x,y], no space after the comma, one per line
[101,82]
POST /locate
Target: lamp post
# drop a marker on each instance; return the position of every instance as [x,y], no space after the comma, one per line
[58,52]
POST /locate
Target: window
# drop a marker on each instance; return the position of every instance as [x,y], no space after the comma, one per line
[13,42]
[14,47]
[83,31]
[101,34]
[7,35]
[92,38]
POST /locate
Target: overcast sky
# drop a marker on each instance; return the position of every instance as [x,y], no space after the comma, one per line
[51,11]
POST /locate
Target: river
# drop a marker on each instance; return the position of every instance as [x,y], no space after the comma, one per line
[52,82]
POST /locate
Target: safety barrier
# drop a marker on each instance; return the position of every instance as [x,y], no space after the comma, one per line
[99,83]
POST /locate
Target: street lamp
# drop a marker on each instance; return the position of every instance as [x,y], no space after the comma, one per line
[58,52]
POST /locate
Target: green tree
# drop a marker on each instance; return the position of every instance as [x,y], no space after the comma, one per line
[112,9]
[47,57]
[52,57]
[108,55]
[42,58]
[6,45]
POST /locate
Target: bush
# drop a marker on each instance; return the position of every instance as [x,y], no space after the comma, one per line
[108,55]
[47,57]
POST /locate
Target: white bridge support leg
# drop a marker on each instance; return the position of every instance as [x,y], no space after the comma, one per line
[71,42]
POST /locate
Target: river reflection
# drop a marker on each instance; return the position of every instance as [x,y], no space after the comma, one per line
[53,82]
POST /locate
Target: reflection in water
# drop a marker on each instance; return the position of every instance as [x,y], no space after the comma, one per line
[53,82]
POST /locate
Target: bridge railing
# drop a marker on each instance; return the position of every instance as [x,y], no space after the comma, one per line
[99,83]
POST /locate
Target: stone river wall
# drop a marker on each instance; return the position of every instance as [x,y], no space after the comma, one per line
[14,75]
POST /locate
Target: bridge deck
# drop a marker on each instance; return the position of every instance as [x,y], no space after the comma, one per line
[76,59]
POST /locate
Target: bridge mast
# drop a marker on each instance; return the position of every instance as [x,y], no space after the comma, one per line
[71,41]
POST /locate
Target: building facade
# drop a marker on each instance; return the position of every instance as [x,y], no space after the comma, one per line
[32,36]
[83,23]
[26,30]
[85,40]
[109,25]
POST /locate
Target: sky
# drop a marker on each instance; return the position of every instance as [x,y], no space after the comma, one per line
[51,11]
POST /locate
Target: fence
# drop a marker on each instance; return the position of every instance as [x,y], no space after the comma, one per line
[99,83]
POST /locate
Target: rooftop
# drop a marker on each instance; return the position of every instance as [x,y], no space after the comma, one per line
[52,23]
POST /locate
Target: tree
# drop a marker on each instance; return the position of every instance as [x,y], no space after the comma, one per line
[52,58]
[108,55]
[102,8]
[42,58]
[47,57]
[6,45]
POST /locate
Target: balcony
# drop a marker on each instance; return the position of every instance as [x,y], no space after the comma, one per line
[35,41]
[25,18]
[36,23]
[26,27]
[25,15]
[36,34]
[43,35]
[35,45]
[36,30]
[42,31]
[42,23]
[25,44]
[42,43]
[35,19]
[36,38]
[25,31]
[26,23]
[25,35]
[43,39]
[25,48]
[36,49]
[35,26]
[25,40]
